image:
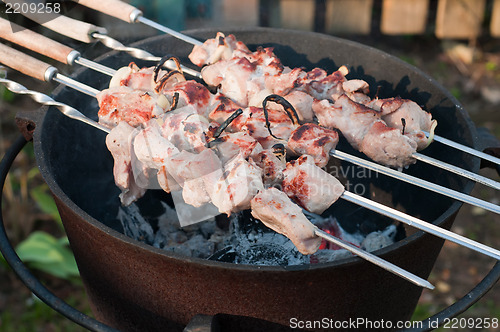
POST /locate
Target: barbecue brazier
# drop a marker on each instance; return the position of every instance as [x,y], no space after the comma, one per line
[135,287]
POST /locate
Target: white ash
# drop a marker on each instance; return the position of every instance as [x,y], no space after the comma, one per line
[379,240]
[200,240]
[328,255]
[248,244]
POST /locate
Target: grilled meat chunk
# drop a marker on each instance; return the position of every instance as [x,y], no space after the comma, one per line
[310,186]
[278,212]
[213,50]
[315,141]
[406,116]
[124,104]
[366,131]
[239,183]
[119,144]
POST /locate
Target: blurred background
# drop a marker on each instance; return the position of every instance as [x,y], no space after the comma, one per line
[455,41]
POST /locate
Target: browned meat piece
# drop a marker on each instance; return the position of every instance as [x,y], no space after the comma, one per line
[278,212]
[229,145]
[285,81]
[213,50]
[135,78]
[237,79]
[272,167]
[239,183]
[415,121]
[329,87]
[310,186]
[185,129]
[191,172]
[315,141]
[355,85]
[255,125]
[388,146]
[301,102]
[118,142]
[191,93]
[153,150]
[366,131]
[222,108]
[352,119]
[120,104]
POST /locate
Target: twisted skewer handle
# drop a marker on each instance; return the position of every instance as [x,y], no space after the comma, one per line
[117,46]
[48,101]
[66,26]
[140,53]
[119,9]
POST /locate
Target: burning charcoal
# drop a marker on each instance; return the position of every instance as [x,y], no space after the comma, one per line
[207,228]
[134,225]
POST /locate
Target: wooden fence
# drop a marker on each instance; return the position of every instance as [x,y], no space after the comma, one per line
[451,19]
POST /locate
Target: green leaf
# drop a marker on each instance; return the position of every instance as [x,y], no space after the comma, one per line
[45,201]
[44,252]
[40,247]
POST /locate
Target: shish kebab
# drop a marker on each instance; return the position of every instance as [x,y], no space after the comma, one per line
[131,14]
[389,131]
[86,32]
[338,154]
[377,127]
[299,170]
[10,56]
[376,131]
[229,46]
[75,114]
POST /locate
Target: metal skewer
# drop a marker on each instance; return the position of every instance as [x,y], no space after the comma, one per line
[416,181]
[457,170]
[140,53]
[48,101]
[420,224]
[40,70]
[130,14]
[375,259]
[465,148]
